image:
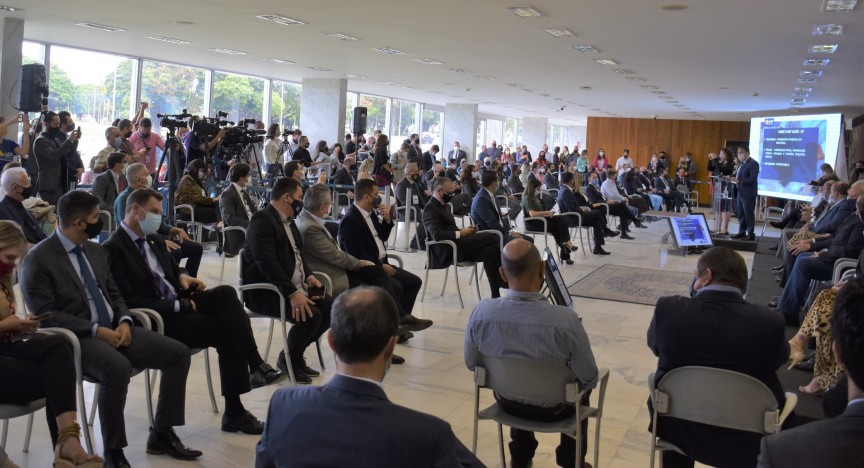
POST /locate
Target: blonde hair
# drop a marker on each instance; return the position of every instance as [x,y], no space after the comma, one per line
[10,236]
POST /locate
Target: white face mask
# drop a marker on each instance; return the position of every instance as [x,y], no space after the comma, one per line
[742,156]
[149,180]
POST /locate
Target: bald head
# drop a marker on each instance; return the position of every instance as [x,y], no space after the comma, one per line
[856,189]
[521,265]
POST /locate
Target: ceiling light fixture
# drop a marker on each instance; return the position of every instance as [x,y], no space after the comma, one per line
[806,80]
[649,87]
[389,83]
[229,51]
[798,101]
[840,6]
[823,49]
[624,71]
[283,20]
[803,90]
[461,70]
[279,61]
[830,29]
[657,92]
[100,27]
[606,61]
[584,88]
[388,51]
[674,7]
[526,12]
[513,85]
[585,48]
[811,72]
[426,61]
[10,8]
[816,62]
[634,78]
[340,36]
[355,76]
[485,77]
[321,69]
[169,40]
[801,95]
[560,32]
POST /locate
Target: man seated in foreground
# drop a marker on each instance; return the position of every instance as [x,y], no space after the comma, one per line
[525,325]
[837,441]
[716,328]
[350,421]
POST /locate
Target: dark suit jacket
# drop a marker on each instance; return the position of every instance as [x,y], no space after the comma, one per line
[515,185]
[485,212]
[748,174]
[440,225]
[427,162]
[834,217]
[567,201]
[133,275]
[50,284]
[551,181]
[343,177]
[356,239]
[364,429]
[52,158]
[593,193]
[13,210]
[416,191]
[828,443]
[269,258]
[457,156]
[234,214]
[847,242]
[105,189]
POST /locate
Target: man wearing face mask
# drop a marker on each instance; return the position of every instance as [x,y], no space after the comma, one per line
[419,199]
[75,168]
[747,180]
[110,183]
[716,328]
[237,207]
[273,255]
[54,152]
[301,153]
[457,154]
[428,159]
[18,188]
[147,140]
[115,145]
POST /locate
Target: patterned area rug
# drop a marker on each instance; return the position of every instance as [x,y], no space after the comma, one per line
[630,284]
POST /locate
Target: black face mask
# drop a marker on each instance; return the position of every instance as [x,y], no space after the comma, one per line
[128,134]
[376,202]
[53,130]
[93,230]
[297,206]
[447,197]
[70,127]
[27,192]
[415,177]
[306,145]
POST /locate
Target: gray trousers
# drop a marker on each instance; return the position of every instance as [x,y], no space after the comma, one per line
[112,368]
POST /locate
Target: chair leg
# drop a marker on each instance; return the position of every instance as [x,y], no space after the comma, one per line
[82,415]
[597,442]
[222,269]
[318,348]
[206,352]
[5,431]
[29,432]
[95,405]
[478,282]
[501,446]
[425,282]
[446,274]
[582,242]
[148,397]
[287,356]
[458,289]
[270,340]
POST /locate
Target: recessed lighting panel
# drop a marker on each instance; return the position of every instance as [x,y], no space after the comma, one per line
[100,27]
[229,51]
[279,61]
[585,48]
[526,12]
[169,40]
[657,92]
[823,49]
[388,51]
[355,76]
[389,83]
[806,81]
[840,6]
[649,87]
[321,69]
[634,78]
[811,72]
[283,20]
[426,61]
[674,7]
[560,32]
[816,62]
[803,90]
[798,101]
[584,88]
[606,61]
[485,77]
[801,95]
[513,85]
[10,8]
[460,70]
[624,71]
[830,29]
[340,36]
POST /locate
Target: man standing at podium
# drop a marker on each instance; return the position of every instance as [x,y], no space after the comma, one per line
[748,187]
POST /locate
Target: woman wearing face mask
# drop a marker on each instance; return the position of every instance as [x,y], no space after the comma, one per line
[191,191]
[725,168]
[274,153]
[601,162]
[555,225]
[35,366]
[365,170]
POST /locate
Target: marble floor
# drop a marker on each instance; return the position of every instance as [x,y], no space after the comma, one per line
[434,378]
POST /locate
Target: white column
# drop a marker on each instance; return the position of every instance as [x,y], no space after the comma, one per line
[576,136]
[534,131]
[460,124]
[10,58]
[322,109]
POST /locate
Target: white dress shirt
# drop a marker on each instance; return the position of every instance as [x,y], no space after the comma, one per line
[382,251]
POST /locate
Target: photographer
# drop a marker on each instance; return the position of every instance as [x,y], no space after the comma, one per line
[10,147]
[145,139]
[201,144]
[53,152]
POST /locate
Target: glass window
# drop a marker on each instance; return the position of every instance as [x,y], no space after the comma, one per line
[403,121]
[431,129]
[285,104]
[242,97]
[510,133]
[494,130]
[376,113]
[93,87]
[350,104]
[170,88]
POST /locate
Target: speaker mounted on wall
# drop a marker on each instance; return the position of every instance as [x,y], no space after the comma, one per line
[360,119]
[34,88]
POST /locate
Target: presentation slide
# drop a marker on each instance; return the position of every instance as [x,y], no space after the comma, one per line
[790,150]
[691,231]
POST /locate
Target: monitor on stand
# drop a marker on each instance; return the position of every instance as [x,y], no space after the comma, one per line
[554,281]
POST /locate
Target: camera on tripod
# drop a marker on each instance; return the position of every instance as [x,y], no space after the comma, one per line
[239,136]
[173,121]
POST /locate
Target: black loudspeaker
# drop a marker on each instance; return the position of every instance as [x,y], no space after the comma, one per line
[34,88]
[360,120]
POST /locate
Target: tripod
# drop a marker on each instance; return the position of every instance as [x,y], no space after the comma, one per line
[171,154]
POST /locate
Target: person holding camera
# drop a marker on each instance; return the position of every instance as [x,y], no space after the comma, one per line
[148,277]
[54,152]
[201,144]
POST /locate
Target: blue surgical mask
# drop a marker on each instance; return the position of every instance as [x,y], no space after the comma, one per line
[118,142]
[150,224]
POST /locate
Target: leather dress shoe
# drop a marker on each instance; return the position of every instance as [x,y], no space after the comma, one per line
[777,269]
[776,224]
[115,459]
[404,336]
[265,374]
[807,364]
[610,233]
[412,323]
[600,251]
[306,369]
[300,376]
[397,359]
[740,235]
[166,442]
[750,237]
[247,423]
[625,236]
[773,304]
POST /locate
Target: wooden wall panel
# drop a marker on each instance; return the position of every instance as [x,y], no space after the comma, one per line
[645,136]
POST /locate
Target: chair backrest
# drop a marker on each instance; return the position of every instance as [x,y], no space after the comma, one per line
[717,397]
[522,379]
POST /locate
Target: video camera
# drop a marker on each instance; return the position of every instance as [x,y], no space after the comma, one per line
[240,135]
[174,121]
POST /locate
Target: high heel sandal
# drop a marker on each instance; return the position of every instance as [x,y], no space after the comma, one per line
[796,352]
[807,391]
[73,431]
[565,254]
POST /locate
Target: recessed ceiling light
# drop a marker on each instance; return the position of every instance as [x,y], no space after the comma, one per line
[798,101]
[828,29]
[657,92]
[461,70]
[624,71]
[388,50]
[485,77]
[545,95]
[723,87]
[843,6]
[354,75]
[426,61]
[801,95]
[649,87]
[803,90]
[528,90]
[229,51]
[169,40]
[526,12]
[806,80]
[10,8]
[411,87]
[560,32]
[583,105]
[184,23]
[584,88]
[823,49]
[279,61]
[811,72]
[340,36]
[815,62]
[585,48]
[606,61]
[283,20]
[634,78]
[321,69]
[674,7]
[100,27]
[389,83]
[434,91]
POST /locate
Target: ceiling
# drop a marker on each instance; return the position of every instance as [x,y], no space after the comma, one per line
[720,60]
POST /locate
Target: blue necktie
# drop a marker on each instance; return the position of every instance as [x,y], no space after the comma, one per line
[160,285]
[93,290]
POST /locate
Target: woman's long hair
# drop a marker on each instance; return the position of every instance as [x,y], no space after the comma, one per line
[531,189]
[10,237]
[273,131]
[193,168]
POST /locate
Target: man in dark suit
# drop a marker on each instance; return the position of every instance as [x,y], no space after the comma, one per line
[831,442]
[148,277]
[363,427]
[18,188]
[666,189]
[363,235]
[272,255]
[457,155]
[237,207]
[550,180]
[470,245]
[596,199]
[571,201]
[514,184]
[716,328]
[428,159]
[411,181]
[110,183]
[54,152]
[69,277]
[747,180]
[486,213]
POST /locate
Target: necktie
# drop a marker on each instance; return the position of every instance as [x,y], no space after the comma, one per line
[158,283]
[93,289]
[120,184]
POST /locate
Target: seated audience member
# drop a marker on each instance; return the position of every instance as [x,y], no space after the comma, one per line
[819,202]
[468,183]
[295,170]
[470,245]
[138,178]
[363,428]
[555,225]
[148,277]
[831,442]
[550,180]
[191,191]
[111,182]
[56,274]
[514,183]
[419,198]
[237,207]
[345,176]
[827,174]
[40,366]
[273,255]
[819,264]
[621,210]
[514,207]
[363,233]
[666,189]
[18,188]
[609,190]
[696,331]
[633,185]
[513,327]
[485,211]
[571,200]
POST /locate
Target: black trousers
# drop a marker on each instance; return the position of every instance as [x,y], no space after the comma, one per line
[596,221]
[713,446]
[523,444]
[746,210]
[192,252]
[50,196]
[674,199]
[555,225]
[303,334]
[623,213]
[483,247]
[219,322]
[403,286]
